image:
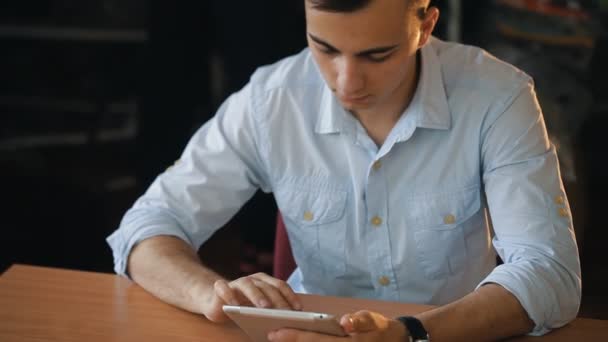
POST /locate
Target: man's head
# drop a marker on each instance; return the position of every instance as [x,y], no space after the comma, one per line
[366,49]
[345,6]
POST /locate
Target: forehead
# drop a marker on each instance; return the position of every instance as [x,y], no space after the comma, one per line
[382,22]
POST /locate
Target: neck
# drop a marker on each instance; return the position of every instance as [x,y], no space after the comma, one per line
[379,121]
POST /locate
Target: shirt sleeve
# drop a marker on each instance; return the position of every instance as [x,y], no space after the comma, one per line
[219,170]
[530,214]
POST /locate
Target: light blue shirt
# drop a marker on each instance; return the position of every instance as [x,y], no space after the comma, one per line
[409,221]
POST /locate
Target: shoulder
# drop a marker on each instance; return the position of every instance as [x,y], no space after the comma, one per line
[480,87]
[294,71]
[475,69]
[290,89]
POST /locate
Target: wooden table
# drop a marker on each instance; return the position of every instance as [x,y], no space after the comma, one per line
[47,304]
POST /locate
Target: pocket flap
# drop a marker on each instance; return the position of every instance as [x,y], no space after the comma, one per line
[311,206]
[444,210]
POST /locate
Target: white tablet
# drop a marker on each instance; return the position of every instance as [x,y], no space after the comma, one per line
[258,322]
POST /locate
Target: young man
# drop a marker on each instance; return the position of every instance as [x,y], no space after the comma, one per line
[386,149]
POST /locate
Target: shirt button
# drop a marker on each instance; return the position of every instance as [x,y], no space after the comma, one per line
[376,221]
[449,219]
[377,165]
[308,216]
[384,281]
[563,212]
[559,200]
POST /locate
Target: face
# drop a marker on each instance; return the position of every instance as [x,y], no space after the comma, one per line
[368,57]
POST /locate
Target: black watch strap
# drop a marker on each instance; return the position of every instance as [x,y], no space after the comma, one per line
[415,328]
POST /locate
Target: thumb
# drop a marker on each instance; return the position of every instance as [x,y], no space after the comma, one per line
[359,322]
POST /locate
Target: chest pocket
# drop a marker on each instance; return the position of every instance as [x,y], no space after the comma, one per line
[441,223]
[314,218]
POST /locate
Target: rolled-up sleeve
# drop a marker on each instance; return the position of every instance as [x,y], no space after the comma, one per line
[219,170]
[530,213]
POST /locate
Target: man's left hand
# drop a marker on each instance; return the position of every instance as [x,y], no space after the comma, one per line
[361,326]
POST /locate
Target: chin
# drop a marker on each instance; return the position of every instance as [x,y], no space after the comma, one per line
[356,106]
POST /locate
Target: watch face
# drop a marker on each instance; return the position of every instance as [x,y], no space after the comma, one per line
[415,328]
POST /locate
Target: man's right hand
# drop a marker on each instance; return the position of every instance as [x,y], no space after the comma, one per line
[170,269]
[259,289]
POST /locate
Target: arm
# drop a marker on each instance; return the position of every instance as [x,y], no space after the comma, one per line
[538,286]
[158,237]
[170,269]
[488,314]
[530,214]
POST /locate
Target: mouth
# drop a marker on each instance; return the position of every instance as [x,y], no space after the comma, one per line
[355,99]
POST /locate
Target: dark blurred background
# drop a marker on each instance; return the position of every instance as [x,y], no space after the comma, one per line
[98,97]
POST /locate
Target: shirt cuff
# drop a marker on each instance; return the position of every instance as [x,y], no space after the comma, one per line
[530,290]
[121,244]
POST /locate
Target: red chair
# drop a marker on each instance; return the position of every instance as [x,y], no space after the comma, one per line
[283,262]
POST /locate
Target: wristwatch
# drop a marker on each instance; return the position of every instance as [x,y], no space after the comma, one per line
[415,328]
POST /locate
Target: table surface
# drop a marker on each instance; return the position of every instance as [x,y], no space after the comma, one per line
[49,304]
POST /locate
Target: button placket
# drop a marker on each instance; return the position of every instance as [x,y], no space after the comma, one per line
[377,165]
[379,256]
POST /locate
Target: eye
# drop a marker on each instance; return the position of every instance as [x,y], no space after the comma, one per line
[327,51]
[379,57]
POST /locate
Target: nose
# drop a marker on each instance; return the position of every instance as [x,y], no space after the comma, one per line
[350,79]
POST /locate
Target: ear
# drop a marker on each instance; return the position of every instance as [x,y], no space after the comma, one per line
[428,23]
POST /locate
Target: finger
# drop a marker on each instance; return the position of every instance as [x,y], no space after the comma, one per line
[284,289]
[243,300]
[247,287]
[273,294]
[225,293]
[360,322]
[213,311]
[347,323]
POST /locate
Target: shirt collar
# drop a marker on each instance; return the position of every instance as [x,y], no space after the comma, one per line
[433,109]
[331,117]
[429,103]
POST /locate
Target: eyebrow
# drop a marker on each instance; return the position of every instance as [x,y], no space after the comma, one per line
[379,49]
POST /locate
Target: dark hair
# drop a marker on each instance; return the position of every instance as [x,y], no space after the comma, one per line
[343,6]
[338,5]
